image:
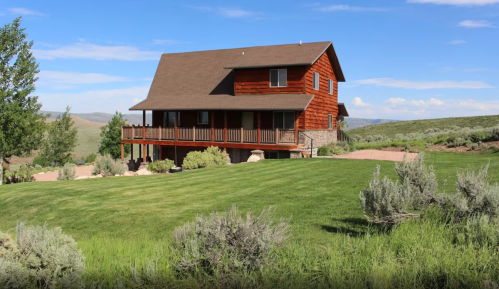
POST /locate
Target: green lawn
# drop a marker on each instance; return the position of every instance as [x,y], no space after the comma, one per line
[404,127]
[118,221]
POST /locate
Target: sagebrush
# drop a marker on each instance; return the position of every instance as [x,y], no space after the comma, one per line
[67,173]
[108,167]
[212,156]
[161,166]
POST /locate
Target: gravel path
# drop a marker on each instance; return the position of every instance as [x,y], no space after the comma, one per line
[83,171]
[378,155]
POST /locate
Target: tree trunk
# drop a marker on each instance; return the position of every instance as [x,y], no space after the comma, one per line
[1,169]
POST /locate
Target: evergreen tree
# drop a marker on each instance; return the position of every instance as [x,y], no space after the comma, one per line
[21,123]
[61,139]
[111,137]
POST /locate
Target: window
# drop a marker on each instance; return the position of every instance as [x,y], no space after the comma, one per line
[169,119]
[330,88]
[202,117]
[284,120]
[330,121]
[316,81]
[278,77]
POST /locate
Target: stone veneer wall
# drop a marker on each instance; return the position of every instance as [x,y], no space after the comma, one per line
[320,137]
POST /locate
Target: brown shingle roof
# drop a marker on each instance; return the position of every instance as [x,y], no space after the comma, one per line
[205,80]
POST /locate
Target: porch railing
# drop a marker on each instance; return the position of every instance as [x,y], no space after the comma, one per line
[195,134]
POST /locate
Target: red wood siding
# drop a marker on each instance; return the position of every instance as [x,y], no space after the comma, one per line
[257,81]
[316,114]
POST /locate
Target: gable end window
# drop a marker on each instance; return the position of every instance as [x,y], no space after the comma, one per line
[278,77]
[202,117]
[330,88]
[316,81]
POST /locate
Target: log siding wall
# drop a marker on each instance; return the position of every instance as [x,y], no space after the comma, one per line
[316,114]
[257,81]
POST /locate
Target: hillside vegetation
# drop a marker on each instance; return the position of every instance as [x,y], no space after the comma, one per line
[125,225]
[415,126]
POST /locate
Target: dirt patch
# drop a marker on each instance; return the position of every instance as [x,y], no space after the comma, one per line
[83,171]
[395,156]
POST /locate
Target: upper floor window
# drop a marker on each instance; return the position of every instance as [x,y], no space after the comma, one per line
[316,81]
[278,77]
[202,117]
[330,88]
[169,119]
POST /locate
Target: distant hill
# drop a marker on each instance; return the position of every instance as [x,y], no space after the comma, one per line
[354,123]
[404,127]
[103,117]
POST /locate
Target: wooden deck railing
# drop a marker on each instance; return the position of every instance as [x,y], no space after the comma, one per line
[234,135]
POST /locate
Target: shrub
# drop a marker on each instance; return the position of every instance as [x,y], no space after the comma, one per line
[479,136]
[108,167]
[227,242]
[212,156]
[40,160]
[22,175]
[67,173]
[457,142]
[480,230]
[485,146]
[468,143]
[161,166]
[38,167]
[494,135]
[474,147]
[422,180]
[41,257]
[323,151]
[90,158]
[384,201]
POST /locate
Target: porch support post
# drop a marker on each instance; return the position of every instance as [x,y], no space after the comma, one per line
[259,124]
[212,126]
[194,133]
[122,152]
[147,151]
[144,135]
[225,126]
[296,126]
[159,133]
[140,151]
[276,135]
[131,152]
[242,134]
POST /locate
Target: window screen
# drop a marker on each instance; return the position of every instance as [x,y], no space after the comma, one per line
[284,120]
[316,80]
[278,77]
[202,117]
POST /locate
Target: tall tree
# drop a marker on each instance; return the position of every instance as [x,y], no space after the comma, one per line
[61,139]
[21,123]
[110,142]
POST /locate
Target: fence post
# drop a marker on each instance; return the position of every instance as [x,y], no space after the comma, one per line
[159,135]
[193,133]
[276,135]
[133,133]
[242,134]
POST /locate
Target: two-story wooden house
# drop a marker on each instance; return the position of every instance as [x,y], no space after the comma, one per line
[273,98]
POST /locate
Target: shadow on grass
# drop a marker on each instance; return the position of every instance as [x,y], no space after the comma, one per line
[353,227]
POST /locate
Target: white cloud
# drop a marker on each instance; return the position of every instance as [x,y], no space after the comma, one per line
[358,102]
[228,12]
[395,101]
[476,24]
[167,42]
[97,52]
[62,77]
[24,11]
[94,101]
[349,8]
[408,84]
[457,2]
[457,42]
[137,100]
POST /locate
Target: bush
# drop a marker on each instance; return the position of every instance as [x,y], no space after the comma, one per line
[458,142]
[384,201]
[474,147]
[38,167]
[479,136]
[225,243]
[41,257]
[422,180]
[40,160]
[323,151]
[67,173]
[468,143]
[212,156]
[108,167]
[90,158]
[161,166]
[23,175]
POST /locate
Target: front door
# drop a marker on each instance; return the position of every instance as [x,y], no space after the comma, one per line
[247,120]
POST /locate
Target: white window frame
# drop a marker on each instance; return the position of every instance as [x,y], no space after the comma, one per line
[330,88]
[316,78]
[278,72]
[207,119]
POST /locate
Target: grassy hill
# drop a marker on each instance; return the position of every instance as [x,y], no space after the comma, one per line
[404,127]
[125,221]
[102,117]
[354,123]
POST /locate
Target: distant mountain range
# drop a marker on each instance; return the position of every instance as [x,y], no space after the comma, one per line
[102,117]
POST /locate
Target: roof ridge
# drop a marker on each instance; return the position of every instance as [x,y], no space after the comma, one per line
[224,49]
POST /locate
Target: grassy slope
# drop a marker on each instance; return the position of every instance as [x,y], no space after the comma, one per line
[404,127]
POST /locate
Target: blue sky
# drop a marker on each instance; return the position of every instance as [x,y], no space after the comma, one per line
[403,59]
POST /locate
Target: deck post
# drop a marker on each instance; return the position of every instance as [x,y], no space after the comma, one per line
[225,126]
[122,152]
[194,133]
[140,151]
[121,132]
[259,123]
[242,134]
[143,124]
[276,135]
[212,126]
[131,152]
[296,127]
[159,133]
[133,133]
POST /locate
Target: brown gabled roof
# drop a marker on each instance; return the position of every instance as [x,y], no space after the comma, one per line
[205,79]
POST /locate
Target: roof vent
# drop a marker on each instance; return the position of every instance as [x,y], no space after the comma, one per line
[243,52]
[300,42]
